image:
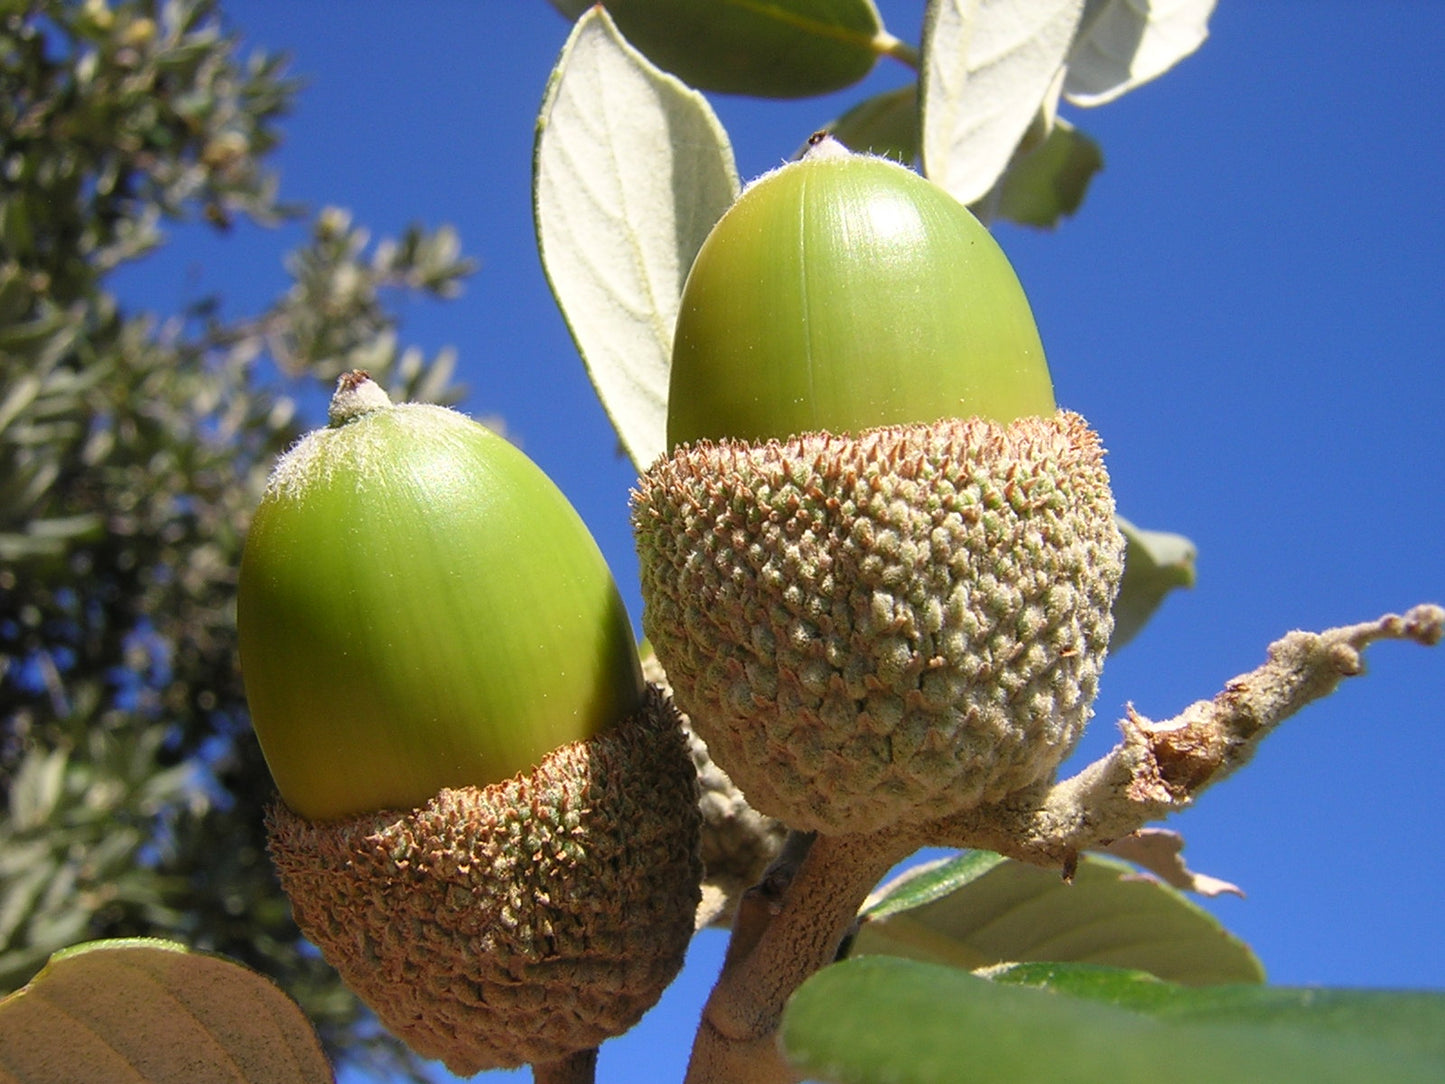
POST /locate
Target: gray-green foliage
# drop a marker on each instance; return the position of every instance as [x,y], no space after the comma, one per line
[132,448]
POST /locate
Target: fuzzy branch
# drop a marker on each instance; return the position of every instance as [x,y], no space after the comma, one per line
[786,928]
[1159,767]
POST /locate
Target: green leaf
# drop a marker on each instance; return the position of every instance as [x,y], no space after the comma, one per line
[979,910]
[1410,1021]
[882,125]
[35,790]
[885,124]
[988,69]
[929,882]
[1048,183]
[631,169]
[1123,43]
[134,1010]
[1155,563]
[875,1020]
[777,49]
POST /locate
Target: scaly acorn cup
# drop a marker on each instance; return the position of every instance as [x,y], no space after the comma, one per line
[488,822]
[877,564]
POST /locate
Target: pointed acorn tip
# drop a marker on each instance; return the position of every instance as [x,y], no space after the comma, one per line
[821,144]
[356,394]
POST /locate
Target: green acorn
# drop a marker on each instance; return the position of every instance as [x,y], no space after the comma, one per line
[420,607]
[844,292]
[488,822]
[878,564]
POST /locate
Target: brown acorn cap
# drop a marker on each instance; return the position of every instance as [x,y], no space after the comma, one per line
[519,922]
[889,628]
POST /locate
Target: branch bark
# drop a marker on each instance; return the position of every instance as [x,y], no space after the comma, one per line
[787,927]
[1160,767]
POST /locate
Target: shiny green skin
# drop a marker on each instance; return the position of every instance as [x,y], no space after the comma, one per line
[843,292]
[420,607]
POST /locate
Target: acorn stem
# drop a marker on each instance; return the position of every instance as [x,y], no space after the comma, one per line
[756,907]
[885,44]
[787,928]
[578,1068]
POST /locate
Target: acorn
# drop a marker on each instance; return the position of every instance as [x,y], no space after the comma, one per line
[487,820]
[877,562]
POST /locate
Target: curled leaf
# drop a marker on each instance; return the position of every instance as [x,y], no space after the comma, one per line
[1160,851]
[1048,183]
[631,169]
[1123,43]
[988,68]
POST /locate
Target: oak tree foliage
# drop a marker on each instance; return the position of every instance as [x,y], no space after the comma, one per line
[133,446]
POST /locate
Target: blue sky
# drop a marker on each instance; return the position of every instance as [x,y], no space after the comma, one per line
[1250,308]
